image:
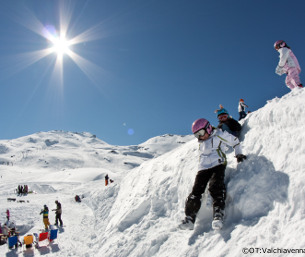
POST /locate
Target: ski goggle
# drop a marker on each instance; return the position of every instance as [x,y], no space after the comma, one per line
[223,116]
[200,133]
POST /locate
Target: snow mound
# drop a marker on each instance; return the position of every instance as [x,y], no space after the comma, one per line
[151,199]
[138,214]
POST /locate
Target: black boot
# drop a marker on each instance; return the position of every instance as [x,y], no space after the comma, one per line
[218,214]
[187,223]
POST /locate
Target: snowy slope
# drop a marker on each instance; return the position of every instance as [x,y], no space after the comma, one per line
[137,215]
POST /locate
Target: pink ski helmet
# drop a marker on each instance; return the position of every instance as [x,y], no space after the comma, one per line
[202,124]
[279,44]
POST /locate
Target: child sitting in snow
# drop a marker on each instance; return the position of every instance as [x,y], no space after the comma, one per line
[288,64]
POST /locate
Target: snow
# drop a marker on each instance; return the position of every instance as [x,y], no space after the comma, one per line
[138,214]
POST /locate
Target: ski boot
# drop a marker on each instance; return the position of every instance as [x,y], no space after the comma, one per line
[217,222]
[187,223]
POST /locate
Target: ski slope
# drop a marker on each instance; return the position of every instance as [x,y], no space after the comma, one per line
[138,214]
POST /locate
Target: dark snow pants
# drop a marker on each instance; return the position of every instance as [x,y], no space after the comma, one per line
[242,115]
[58,218]
[217,190]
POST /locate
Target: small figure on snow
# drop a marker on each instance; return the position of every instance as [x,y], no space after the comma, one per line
[20,190]
[25,189]
[241,109]
[45,216]
[106,180]
[58,212]
[10,228]
[227,123]
[212,165]
[77,198]
[8,214]
[288,64]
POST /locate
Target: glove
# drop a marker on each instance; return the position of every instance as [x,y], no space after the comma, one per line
[279,70]
[241,157]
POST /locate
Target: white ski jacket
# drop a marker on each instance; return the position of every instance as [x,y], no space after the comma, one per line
[287,60]
[212,151]
[241,106]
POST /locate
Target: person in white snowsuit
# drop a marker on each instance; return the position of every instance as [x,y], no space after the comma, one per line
[212,164]
[288,64]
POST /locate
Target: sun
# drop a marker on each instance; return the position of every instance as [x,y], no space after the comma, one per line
[59,43]
[61,40]
[61,46]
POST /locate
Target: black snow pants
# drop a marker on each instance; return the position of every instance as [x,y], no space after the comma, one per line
[217,190]
[58,218]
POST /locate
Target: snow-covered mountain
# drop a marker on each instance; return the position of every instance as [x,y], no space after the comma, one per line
[62,150]
[138,214]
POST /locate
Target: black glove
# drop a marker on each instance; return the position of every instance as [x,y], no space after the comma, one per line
[241,157]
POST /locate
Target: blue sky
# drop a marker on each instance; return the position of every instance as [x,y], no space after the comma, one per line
[145,67]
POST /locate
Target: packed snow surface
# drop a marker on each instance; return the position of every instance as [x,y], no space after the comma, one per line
[138,214]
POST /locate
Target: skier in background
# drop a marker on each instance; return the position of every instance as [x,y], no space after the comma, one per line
[58,212]
[212,165]
[241,109]
[288,64]
[45,216]
[227,123]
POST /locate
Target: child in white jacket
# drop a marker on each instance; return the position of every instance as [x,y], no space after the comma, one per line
[241,109]
[212,164]
[288,64]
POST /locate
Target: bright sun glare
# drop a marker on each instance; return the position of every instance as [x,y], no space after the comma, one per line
[60,46]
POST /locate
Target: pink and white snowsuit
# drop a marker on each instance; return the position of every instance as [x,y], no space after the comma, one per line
[289,64]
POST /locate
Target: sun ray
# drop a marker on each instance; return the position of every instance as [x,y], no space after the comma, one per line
[92,71]
[27,19]
[58,73]
[24,60]
[58,40]
[88,35]
[65,17]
